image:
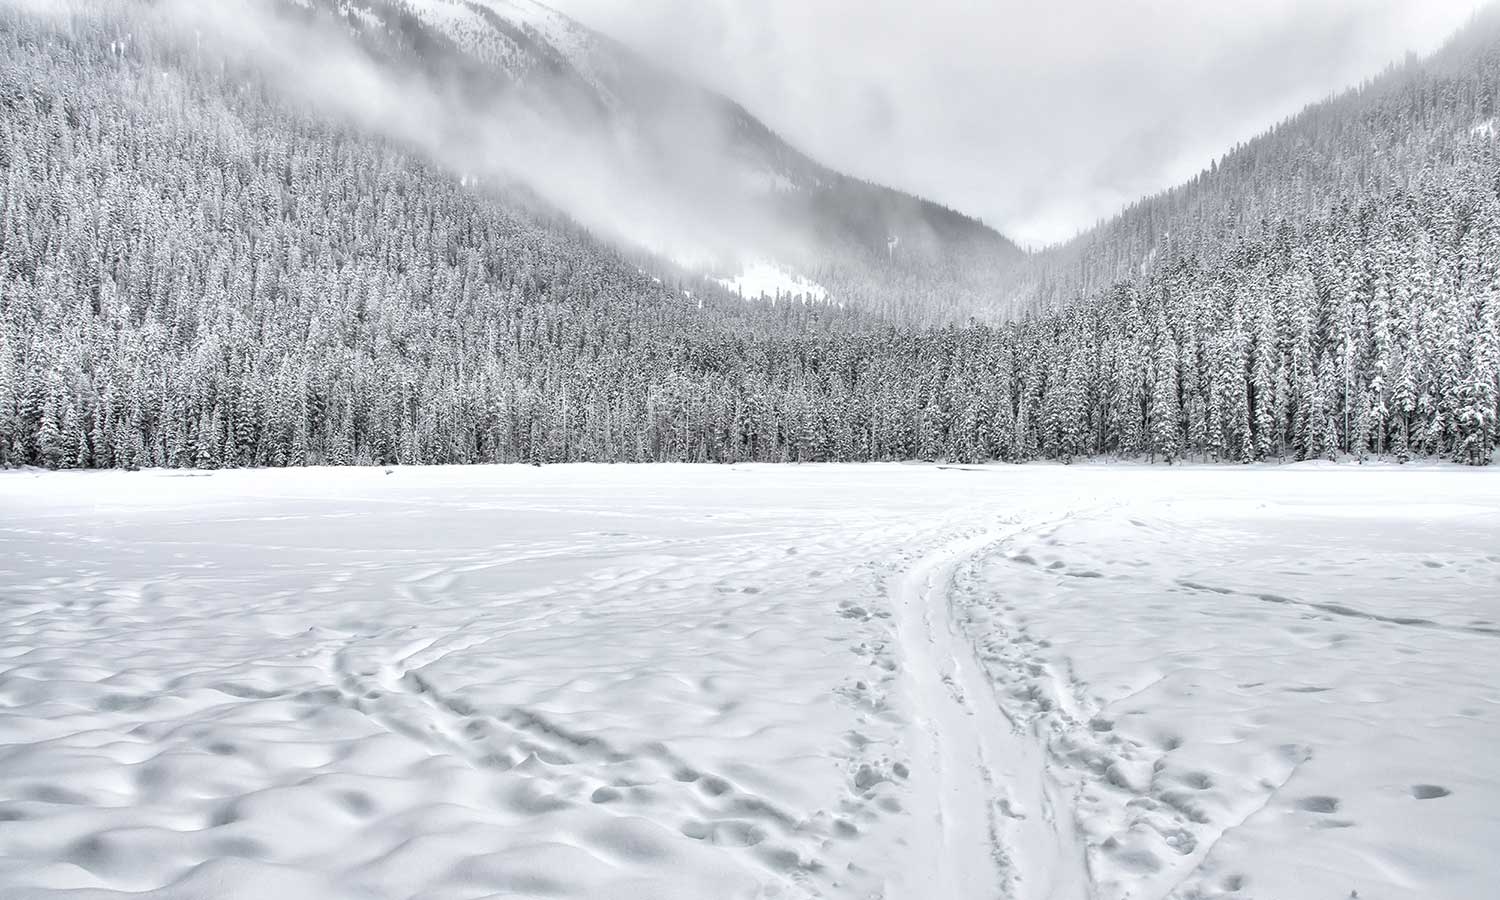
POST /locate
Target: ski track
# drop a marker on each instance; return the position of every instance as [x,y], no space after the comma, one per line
[997,824]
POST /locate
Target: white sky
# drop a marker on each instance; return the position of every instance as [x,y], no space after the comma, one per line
[1041,117]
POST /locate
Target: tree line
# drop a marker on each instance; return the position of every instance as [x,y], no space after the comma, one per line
[195,272]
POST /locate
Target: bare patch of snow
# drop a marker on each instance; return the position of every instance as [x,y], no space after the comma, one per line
[765,280]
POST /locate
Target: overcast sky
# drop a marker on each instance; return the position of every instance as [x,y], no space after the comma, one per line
[1040,117]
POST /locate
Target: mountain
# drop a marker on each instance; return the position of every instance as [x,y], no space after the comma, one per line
[1419,121]
[245,240]
[676,169]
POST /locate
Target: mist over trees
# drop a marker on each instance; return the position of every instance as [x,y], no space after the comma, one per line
[195,272]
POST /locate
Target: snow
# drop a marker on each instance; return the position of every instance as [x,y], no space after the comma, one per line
[463,22]
[595,61]
[763,180]
[458,20]
[751,681]
[1484,129]
[576,44]
[763,279]
[367,17]
[453,17]
[561,32]
[1265,683]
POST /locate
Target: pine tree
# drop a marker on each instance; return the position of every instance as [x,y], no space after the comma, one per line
[72,447]
[50,448]
[1165,417]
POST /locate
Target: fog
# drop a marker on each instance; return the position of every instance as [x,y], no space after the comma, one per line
[1039,117]
[649,182]
[1039,120]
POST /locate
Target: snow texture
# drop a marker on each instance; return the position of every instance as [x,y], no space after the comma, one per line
[892,681]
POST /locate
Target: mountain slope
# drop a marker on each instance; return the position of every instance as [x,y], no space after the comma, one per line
[674,168]
[1416,122]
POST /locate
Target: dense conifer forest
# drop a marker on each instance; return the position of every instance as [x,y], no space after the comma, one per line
[196,272]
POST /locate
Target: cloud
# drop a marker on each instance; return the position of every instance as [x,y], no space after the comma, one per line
[1039,117]
[655,183]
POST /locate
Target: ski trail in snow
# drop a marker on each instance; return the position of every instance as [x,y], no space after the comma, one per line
[991,822]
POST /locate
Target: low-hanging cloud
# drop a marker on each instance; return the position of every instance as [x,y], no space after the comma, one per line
[1040,117]
[655,183]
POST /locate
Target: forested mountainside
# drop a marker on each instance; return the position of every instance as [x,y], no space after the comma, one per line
[693,174]
[197,271]
[1411,123]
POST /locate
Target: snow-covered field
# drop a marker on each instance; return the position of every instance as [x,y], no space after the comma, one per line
[751,682]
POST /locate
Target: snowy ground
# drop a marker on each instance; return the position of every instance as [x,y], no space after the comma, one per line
[751,682]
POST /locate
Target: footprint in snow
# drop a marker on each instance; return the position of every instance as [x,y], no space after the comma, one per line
[1322,805]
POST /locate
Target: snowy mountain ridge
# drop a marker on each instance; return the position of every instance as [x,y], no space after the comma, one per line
[514,35]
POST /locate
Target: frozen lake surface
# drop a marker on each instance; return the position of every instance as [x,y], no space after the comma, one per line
[751,682]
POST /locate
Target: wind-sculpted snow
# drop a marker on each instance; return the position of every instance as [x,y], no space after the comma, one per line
[750,681]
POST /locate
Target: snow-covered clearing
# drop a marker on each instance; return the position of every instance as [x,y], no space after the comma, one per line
[751,682]
[763,280]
